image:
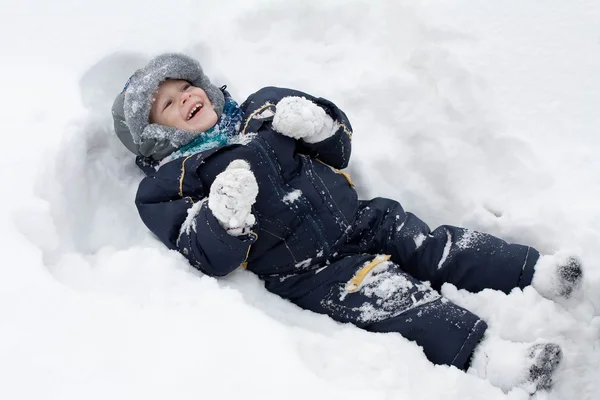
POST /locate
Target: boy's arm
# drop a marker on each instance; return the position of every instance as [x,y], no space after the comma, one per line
[191,228]
[333,146]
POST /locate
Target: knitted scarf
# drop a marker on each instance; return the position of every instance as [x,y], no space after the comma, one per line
[226,128]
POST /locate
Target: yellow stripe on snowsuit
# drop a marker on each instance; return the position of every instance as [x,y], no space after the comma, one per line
[182,176]
[245,263]
[251,117]
[339,171]
[354,284]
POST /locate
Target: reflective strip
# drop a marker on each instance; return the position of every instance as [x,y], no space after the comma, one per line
[339,171]
[346,175]
[244,265]
[354,284]
[254,114]
[182,176]
[348,131]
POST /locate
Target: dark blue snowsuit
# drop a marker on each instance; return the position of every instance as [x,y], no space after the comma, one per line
[317,245]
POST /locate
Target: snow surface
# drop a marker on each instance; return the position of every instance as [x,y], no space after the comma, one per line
[479,114]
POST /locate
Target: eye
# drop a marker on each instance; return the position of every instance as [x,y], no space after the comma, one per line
[186,86]
[167,104]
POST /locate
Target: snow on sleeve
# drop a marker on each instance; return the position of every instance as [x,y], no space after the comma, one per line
[292,196]
[190,220]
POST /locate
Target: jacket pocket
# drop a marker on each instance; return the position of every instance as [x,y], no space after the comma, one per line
[354,284]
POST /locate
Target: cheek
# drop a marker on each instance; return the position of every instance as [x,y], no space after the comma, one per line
[176,116]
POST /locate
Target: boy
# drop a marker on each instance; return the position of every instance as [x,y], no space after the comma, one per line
[259,186]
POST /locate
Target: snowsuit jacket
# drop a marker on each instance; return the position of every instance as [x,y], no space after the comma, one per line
[317,245]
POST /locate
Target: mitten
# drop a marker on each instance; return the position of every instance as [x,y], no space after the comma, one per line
[300,118]
[231,197]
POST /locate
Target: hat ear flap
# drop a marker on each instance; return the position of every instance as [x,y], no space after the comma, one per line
[156,149]
[121,128]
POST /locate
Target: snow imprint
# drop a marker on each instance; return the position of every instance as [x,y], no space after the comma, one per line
[304,264]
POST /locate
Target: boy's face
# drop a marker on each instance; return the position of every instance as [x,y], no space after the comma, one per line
[178,104]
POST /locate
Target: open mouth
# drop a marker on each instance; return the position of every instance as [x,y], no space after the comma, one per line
[195,111]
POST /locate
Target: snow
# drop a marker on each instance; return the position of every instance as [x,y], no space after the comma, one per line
[446,251]
[477,114]
[190,219]
[291,197]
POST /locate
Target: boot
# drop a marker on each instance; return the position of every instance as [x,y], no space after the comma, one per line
[557,276]
[507,364]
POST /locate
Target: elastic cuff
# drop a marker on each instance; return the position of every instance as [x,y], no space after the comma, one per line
[531,259]
[462,358]
[222,234]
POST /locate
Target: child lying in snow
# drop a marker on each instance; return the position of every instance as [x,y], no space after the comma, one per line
[259,186]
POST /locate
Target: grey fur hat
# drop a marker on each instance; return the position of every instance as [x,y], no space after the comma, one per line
[131,108]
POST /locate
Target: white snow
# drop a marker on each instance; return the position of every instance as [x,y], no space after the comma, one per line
[419,239]
[446,251]
[292,196]
[476,114]
[190,219]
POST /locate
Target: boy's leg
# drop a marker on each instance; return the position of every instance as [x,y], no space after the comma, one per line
[380,297]
[468,259]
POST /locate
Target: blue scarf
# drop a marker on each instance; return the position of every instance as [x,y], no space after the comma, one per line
[226,128]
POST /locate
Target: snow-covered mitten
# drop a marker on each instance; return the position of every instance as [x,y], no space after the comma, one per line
[231,197]
[507,364]
[300,118]
[557,276]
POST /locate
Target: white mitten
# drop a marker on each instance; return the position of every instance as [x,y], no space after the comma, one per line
[231,197]
[300,118]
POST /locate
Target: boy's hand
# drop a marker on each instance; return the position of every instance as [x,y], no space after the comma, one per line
[231,197]
[300,118]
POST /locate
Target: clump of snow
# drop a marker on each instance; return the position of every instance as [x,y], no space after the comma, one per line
[292,196]
[419,239]
[446,251]
[190,221]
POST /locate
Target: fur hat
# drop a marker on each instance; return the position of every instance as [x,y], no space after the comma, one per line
[131,108]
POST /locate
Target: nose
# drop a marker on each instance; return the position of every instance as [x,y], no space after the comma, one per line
[184,98]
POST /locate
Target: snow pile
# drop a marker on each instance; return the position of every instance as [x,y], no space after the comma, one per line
[468,113]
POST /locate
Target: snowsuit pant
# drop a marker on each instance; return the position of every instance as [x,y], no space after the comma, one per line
[390,296]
